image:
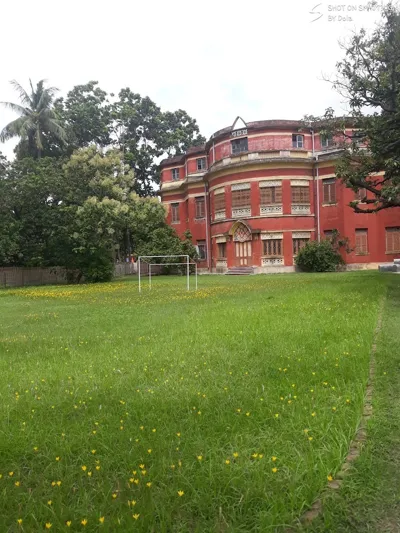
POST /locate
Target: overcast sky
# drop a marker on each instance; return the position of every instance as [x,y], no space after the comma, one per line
[216,59]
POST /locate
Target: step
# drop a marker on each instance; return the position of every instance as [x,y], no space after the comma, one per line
[393,267]
[240,271]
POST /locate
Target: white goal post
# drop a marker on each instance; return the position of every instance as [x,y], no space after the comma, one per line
[185,262]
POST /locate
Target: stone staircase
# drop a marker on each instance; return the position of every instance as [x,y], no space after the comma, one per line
[392,267]
[240,271]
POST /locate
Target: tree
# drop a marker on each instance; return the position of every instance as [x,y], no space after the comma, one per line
[38,122]
[369,78]
[144,133]
[9,227]
[165,241]
[86,113]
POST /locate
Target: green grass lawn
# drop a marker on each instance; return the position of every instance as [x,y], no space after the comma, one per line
[221,410]
[369,500]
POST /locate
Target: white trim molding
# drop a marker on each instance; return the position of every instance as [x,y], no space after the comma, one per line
[271,183]
[301,234]
[300,183]
[271,235]
[240,186]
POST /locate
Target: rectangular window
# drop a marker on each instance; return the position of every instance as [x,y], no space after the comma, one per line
[241,199]
[200,207]
[175,213]
[175,173]
[361,194]
[239,145]
[326,141]
[270,195]
[273,248]
[328,233]
[329,191]
[201,163]
[361,241]
[393,240]
[221,250]
[219,202]
[298,245]
[300,195]
[297,141]
[201,245]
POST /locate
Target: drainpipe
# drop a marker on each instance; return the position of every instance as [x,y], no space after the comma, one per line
[208,247]
[318,208]
[316,183]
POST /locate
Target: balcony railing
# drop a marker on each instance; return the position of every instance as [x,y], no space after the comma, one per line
[275,209]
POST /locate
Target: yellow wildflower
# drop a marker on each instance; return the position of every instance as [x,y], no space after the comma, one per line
[84,522]
[180,493]
[135,516]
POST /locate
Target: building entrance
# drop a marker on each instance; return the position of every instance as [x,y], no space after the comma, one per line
[243,253]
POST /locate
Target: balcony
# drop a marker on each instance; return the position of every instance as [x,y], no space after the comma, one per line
[239,159]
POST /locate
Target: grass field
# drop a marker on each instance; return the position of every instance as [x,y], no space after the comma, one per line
[221,410]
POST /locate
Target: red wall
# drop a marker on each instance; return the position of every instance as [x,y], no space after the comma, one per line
[339,216]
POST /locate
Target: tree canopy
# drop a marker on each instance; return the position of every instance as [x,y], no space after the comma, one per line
[79,212]
[368,77]
[89,116]
[38,122]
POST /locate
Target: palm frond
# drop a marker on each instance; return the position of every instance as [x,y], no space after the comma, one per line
[53,126]
[16,108]
[46,98]
[16,128]
[23,95]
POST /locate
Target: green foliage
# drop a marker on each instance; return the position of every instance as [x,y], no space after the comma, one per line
[132,124]
[75,212]
[165,241]
[144,133]
[38,124]
[368,78]
[86,115]
[323,256]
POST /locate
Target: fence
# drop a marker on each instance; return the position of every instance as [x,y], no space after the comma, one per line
[20,276]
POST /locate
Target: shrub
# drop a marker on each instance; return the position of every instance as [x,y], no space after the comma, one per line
[321,256]
[97,268]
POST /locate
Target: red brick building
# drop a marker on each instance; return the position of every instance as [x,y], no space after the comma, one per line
[255,193]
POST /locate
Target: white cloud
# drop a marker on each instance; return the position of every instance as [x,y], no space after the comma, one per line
[215,59]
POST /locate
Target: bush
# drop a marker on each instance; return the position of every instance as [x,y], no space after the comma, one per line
[97,268]
[321,256]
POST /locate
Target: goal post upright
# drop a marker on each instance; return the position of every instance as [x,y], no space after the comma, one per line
[188,283]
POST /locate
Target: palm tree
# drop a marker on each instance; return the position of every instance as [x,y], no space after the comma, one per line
[37,118]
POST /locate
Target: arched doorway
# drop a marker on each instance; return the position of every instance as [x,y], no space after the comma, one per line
[241,236]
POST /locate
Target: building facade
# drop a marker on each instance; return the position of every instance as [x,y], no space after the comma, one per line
[255,193]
